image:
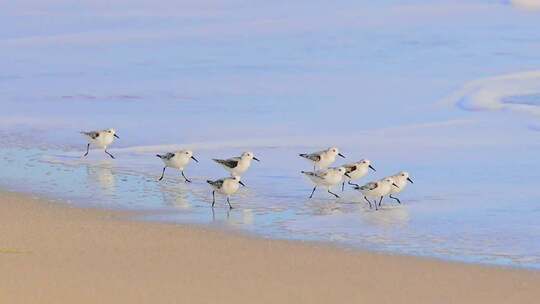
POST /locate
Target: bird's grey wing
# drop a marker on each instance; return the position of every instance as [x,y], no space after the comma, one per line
[313,156]
[168,156]
[350,168]
[217,183]
[369,186]
[317,174]
[229,163]
[309,173]
[91,134]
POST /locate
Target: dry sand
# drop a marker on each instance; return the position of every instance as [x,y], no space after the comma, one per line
[52,253]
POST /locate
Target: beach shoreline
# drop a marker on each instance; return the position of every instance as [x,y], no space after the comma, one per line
[55,253]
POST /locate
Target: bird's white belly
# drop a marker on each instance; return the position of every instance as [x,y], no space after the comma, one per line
[240,169]
[325,162]
[229,187]
[177,163]
[102,141]
[333,180]
[357,174]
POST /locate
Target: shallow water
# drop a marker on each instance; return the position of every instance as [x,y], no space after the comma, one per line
[399,82]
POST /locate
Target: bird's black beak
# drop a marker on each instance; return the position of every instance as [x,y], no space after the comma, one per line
[394,184]
[256,159]
[116,136]
[371,167]
[347,175]
[341,155]
[193,157]
[410,180]
[240,182]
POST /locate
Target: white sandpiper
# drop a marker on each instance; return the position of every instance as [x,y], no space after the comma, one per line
[400,179]
[101,139]
[326,178]
[237,165]
[356,171]
[322,159]
[177,160]
[226,186]
[376,189]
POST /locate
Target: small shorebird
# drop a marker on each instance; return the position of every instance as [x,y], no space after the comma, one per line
[400,179]
[226,186]
[177,160]
[376,189]
[100,139]
[322,159]
[357,170]
[237,165]
[326,178]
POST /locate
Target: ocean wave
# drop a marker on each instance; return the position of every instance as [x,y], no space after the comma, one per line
[516,92]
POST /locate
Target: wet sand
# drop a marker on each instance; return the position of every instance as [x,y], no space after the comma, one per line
[53,253]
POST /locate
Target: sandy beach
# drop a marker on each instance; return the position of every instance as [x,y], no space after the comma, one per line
[53,253]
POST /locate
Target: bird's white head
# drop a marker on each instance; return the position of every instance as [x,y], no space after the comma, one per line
[112,132]
[404,175]
[334,151]
[188,154]
[249,155]
[236,178]
[366,163]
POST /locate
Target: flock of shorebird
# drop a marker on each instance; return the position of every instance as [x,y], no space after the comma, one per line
[321,176]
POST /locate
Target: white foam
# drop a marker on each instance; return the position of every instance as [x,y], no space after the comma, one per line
[526,4]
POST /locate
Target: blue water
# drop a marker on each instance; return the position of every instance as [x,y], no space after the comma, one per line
[378,80]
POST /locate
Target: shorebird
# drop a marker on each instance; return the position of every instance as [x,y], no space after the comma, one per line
[100,139]
[226,186]
[357,170]
[326,178]
[177,160]
[376,189]
[322,159]
[400,179]
[237,165]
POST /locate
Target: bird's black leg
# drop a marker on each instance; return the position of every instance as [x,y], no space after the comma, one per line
[87,149]
[187,180]
[380,201]
[368,202]
[162,173]
[313,192]
[109,154]
[337,196]
[353,184]
[230,207]
[342,186]
[397,199]
[213,198]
